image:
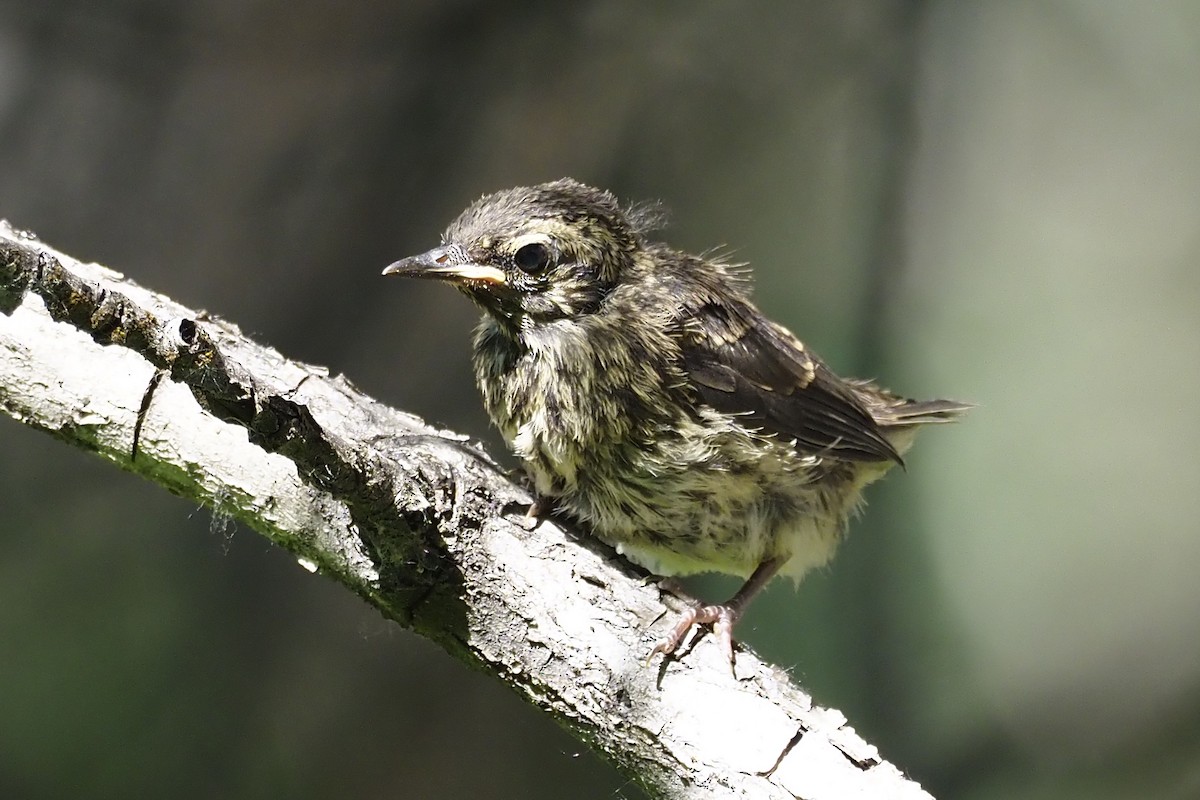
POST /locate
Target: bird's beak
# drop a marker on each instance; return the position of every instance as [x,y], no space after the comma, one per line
[439,263]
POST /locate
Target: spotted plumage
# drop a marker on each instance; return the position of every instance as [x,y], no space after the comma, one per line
[648,397]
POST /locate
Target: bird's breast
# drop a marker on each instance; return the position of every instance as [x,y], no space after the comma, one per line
[573,398]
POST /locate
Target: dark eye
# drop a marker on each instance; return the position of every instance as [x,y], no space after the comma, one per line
[533,258]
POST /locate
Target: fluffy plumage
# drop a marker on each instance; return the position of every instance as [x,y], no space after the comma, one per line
[648,397]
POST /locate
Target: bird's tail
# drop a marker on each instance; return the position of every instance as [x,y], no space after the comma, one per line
[923,412]
[890,409]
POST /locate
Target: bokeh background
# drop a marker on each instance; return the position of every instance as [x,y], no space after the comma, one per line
[998,202]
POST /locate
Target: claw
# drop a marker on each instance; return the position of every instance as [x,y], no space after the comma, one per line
[722,619]
[532,516]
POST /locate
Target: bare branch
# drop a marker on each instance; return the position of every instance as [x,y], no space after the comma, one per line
[413,519]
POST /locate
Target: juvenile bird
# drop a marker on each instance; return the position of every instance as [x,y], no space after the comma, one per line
[649,398]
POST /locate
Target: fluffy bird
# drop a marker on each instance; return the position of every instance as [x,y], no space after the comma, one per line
[649,398]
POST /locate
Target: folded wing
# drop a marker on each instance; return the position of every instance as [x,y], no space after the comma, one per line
[741,363]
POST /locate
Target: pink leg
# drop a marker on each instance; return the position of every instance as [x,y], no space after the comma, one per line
[530,519]
[722,617]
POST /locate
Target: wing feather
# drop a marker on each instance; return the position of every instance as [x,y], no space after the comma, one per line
[741,363]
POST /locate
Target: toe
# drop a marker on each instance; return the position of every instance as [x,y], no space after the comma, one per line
[722,618]
[670,643]
[723,630]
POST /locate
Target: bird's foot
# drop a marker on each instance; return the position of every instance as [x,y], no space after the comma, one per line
[533,515]
[722,618]
[529,516]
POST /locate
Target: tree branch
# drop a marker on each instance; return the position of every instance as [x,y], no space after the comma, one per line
[414,520]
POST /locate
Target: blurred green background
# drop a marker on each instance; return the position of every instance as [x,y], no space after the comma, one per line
[997,202]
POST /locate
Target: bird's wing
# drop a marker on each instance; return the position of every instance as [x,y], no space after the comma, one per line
[741,363]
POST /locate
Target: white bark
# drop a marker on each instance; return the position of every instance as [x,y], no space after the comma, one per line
[411,519]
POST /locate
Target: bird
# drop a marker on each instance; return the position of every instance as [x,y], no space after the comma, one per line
[650,399]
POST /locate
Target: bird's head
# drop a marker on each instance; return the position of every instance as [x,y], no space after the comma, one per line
[534,254]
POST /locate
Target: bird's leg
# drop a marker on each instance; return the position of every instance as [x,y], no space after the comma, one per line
[722,617]
[540,505]
[533,514]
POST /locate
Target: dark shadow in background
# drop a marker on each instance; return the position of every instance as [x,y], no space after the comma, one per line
[265,161]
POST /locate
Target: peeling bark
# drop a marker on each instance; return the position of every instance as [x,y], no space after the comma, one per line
[417,521]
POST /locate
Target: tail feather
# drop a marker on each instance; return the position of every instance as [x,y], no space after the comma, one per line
[890,409]
[923,412]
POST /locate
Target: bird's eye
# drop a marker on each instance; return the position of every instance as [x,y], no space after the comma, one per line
[533,258]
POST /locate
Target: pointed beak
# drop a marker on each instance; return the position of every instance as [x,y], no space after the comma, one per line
[440,263]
